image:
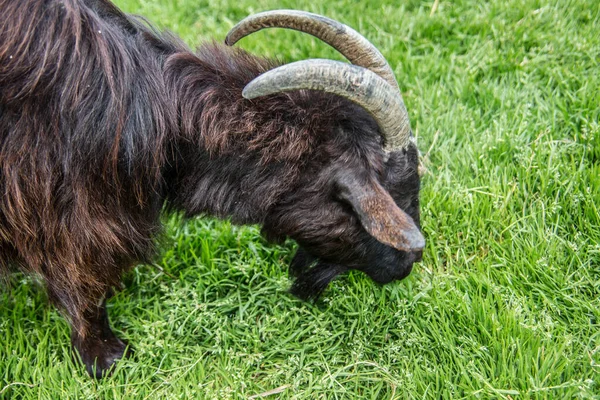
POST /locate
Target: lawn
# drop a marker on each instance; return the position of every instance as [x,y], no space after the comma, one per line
[504,98]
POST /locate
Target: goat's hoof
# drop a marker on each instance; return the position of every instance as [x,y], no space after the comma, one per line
[99,355]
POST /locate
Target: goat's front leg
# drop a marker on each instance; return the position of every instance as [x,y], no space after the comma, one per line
[98,347]
[94,343]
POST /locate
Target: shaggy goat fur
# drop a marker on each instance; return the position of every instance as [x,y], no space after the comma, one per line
[104,122]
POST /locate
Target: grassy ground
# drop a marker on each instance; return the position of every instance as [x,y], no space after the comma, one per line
[505,305]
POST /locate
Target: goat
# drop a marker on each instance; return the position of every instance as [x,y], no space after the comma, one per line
[106,122]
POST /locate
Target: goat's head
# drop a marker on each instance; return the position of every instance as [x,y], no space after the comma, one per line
[359,209]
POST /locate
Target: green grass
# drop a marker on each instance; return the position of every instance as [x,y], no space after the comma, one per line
[505,304]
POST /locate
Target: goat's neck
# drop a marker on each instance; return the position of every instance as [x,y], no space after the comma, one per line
[218,167]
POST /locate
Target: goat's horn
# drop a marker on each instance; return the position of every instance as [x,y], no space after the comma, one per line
[351,44]
[360,85]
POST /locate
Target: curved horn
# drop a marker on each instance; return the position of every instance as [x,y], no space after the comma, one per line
[357,84]
[351,44]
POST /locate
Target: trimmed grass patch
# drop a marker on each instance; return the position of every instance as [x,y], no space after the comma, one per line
[505,304]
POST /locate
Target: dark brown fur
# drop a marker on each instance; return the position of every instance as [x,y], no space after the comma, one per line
[104,121]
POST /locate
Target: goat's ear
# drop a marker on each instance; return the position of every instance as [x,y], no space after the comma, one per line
[379,214]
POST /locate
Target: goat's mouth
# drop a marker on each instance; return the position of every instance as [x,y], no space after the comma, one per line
[386,277]
[394,268]
[397,273]
[312,275]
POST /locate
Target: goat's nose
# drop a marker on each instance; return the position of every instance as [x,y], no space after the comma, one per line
[418,255]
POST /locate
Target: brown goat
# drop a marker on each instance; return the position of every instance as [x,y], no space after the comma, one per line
[105,122]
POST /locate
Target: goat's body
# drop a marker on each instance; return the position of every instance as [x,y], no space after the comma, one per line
[81,150]
[104,121]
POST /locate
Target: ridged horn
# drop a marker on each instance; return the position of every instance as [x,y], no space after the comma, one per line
[351,44]
[355,83]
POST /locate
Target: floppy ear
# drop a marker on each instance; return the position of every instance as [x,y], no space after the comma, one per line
[379,214]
